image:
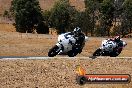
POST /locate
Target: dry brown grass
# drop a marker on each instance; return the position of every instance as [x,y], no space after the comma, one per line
[59,73]
[7,27]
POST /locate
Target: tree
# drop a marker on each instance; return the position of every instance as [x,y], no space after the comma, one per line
[27,15]
[83,21]
[42,28]
[107,14]
[91,8]
[73,19]
[46,15]
[62,16]
[100,1]
[126,22]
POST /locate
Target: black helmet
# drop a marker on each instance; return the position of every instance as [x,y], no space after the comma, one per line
[117,38]
[77,30]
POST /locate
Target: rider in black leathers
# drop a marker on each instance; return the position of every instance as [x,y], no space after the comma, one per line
[80,38]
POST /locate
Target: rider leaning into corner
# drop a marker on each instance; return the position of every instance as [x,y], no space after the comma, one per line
[119,43]
[79,36]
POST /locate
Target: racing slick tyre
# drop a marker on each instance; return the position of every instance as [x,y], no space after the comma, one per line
[72,53]
[97,52]
[53,51]
[113,54]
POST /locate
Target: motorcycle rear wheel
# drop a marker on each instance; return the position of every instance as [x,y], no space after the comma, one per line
[72,53]
[113,54]
[53,51]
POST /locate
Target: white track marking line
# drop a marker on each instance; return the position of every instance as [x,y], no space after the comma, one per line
[45,58]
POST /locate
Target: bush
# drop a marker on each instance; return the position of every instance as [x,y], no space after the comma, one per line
[27,15]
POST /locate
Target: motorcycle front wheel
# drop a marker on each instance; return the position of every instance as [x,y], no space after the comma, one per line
[97,52]
[53,51]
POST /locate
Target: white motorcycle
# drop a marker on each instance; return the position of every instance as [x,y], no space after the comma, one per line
[109,48]
[66,45]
